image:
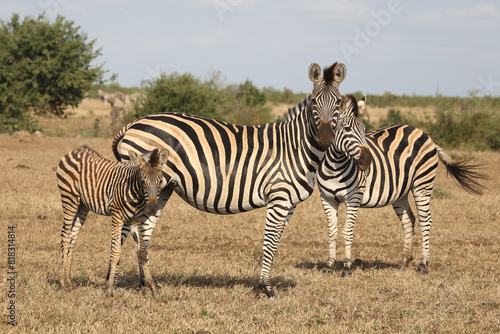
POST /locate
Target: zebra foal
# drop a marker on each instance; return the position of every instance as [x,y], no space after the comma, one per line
[89,182]
[405,160]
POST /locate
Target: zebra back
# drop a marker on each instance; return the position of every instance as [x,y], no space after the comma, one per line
[86,176]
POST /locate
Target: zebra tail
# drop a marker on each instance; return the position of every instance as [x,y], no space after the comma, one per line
[118,138]
[466,175]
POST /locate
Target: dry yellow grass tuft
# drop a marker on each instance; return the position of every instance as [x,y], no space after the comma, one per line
[207,265]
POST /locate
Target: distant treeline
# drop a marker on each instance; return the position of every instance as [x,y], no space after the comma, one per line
[459,122]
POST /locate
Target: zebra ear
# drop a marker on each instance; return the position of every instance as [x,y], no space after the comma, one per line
[133,158]
[163,157]
[362,106]
[339,72]
[314,73]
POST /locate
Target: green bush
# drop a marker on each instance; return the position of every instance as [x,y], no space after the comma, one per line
[184,93]
[44,67]
[285,96]
[475,125]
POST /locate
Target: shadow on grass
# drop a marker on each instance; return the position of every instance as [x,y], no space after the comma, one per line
[131,280]
[339,266]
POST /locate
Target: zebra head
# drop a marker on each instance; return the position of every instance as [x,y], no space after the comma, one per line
[325,100]
[350,132]
[152,178]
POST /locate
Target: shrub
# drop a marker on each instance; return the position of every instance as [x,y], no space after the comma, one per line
[474,126]
[44,67]
[184,93]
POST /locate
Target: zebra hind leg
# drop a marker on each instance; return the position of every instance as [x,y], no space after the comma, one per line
[74,218]
[407,218]
[351,214]
[331,211]
[422,201]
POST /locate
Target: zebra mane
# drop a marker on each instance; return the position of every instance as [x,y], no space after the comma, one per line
[350,103]
[293,112]
[328,74]
[152,157]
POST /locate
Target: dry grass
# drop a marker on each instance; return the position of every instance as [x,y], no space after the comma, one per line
[207,265]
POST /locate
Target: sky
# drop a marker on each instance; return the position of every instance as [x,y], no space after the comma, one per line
[401,46]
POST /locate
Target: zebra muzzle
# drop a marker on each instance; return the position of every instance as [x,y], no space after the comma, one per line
[325,134]
[365,159]
[152,206]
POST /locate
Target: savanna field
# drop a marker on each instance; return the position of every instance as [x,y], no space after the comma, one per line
[207,265]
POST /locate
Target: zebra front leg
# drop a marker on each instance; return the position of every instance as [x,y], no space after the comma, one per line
[116,249]
[276,220]
[73,221]
[331,210]
[351,214]
[407,218]
[125,231]
[147,228]
[142,255]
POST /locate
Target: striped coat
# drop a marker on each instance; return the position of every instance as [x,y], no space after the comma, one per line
[224,168]
[405,160]
[89,182]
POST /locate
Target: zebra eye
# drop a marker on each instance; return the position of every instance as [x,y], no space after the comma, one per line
[347,128]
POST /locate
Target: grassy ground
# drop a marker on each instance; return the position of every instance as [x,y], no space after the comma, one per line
[207,265]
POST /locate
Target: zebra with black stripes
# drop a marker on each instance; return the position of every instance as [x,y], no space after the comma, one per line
[224,168]
[405,160]
[89,182]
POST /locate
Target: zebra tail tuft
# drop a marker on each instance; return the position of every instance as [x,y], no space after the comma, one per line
[465,174]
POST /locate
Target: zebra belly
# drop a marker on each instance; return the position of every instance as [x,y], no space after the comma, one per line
[213,204]
[377,195]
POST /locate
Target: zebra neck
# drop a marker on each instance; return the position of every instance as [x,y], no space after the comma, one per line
[131,181]
[301,133]
[335,157]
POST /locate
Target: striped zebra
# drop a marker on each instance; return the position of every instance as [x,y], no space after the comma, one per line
[223,168]
[404,159]
[89,182]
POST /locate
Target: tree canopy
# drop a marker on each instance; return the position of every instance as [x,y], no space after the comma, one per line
[44,68]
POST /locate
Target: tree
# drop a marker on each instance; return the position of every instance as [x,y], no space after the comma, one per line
[183,93]
[44,68]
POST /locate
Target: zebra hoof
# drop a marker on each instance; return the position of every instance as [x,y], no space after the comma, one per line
[326,271]
[268,290]
[422,270]
[156,290]
[358,263]
[66,284]
[346,273]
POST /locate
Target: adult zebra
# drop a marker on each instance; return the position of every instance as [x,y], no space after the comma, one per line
[224,168]
[404,159]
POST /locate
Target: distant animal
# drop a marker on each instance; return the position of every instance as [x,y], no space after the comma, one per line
[89,182]
[224,168]
[113,98]
[106,97]
[405,160]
